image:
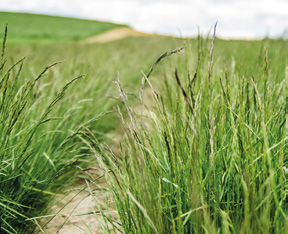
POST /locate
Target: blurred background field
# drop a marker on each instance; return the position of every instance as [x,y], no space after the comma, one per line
[27,28]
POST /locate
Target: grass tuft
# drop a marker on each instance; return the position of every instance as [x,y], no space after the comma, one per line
[210,156]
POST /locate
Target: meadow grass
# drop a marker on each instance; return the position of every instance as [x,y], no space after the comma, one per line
[209,157]
[203,149]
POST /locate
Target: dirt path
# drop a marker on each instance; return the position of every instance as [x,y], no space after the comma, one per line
[71,219]
[116,34]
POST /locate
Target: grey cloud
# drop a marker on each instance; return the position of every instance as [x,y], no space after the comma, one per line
[281,17]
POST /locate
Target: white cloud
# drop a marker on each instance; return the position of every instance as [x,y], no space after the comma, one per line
[236,18]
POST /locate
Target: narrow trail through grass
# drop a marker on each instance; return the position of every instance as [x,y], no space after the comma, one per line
[81,212]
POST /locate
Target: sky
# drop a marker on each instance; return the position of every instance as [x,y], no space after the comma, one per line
[246,19]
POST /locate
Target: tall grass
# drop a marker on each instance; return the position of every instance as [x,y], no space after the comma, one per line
[33,159]
[209,158]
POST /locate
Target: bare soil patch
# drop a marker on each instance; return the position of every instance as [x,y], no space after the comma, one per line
[116,34]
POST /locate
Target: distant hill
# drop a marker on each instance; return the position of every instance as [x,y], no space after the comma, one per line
[24,28]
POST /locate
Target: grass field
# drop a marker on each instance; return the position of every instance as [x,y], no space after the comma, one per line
[27,28]
[198,145]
